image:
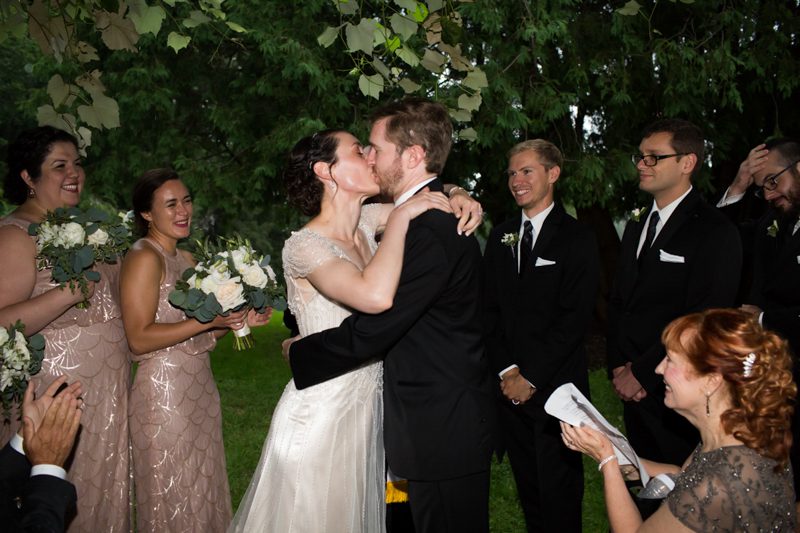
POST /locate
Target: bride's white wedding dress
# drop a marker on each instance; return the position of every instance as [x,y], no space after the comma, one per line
[322,466]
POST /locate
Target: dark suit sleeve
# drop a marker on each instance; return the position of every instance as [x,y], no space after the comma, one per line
[713,282]
[45,501]
[495,340]
[361,337]
[573,312]
[614,356]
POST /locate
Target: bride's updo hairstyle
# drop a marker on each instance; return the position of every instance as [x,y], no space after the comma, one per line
[756,368]
[302,185]
[143,191]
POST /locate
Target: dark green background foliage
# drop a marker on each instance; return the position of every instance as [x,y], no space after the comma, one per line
[224,112]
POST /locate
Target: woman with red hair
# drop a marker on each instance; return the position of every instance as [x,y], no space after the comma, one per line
[732,380]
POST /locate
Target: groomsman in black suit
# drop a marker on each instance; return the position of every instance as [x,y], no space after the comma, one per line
[541,279]
[775,293]
[34,494]
[437,394]
[680,256]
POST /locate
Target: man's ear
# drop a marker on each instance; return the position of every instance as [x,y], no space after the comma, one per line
[553,174]
[690,162]
[415,155]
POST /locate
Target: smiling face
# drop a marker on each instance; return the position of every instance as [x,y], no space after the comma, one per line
[530,182]
[170,216]
[61,179]
[670,177]
[684,389]
[351,172]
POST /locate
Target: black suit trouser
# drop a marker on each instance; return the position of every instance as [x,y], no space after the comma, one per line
[548,475]
[458,505]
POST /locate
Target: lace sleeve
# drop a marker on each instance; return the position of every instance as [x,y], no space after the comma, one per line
[370,218]
[732,489]
[304,251]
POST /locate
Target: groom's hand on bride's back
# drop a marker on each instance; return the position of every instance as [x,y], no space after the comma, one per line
[286,345]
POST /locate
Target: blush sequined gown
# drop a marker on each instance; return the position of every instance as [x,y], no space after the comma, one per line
[89,345]
[180,478]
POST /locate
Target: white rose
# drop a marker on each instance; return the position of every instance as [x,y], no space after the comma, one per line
[47,234]
[98,238]
[3,335]
[6,378]
[229,292]
[254,276]
[240,258]
[21,345]
[70,235]
[220,270]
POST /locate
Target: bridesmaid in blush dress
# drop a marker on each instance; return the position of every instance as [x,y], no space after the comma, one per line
[180,479]
[87,345]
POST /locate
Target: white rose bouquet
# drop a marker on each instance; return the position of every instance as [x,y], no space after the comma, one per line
[70,240]
[229,276]
[20,358]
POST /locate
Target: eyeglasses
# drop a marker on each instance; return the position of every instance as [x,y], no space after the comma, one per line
[651,160]
[771,182]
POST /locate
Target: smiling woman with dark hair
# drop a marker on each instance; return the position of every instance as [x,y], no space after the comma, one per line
[45,173]
[732,380]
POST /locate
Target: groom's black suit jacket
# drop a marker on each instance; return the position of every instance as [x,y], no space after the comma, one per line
[438,405]
[694,264]
[44,500]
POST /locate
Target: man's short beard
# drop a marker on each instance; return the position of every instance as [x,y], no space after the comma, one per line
[389,179]
[791,213]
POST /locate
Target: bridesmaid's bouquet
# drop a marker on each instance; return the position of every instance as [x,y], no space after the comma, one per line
[71,240]
[20,358]
[229,276]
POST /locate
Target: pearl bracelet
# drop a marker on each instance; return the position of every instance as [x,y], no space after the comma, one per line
[604,461]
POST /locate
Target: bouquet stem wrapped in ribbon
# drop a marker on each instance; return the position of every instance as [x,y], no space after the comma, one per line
[20,358]
[70,240]
[229,276]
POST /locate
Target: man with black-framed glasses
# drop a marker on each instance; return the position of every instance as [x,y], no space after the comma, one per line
[680,256]
[775,239]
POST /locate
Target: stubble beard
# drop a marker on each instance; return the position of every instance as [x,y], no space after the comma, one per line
[389,179]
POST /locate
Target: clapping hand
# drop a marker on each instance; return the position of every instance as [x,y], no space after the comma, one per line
[50,424]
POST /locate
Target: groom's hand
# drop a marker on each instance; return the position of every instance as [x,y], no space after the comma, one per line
[286,345]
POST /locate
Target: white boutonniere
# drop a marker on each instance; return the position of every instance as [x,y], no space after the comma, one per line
[510,239]
[637,213]
[772,231]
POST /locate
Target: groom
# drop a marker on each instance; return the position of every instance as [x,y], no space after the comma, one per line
[437,394]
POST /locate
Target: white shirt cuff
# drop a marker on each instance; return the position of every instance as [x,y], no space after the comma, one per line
[503,372]
[761,319]
[49,470]
[729,200]
[16,443]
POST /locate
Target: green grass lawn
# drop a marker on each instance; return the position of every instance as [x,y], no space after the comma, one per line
[251,382]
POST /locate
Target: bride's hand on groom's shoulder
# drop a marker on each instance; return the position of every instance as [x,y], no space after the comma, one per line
[468,210]
[286,345]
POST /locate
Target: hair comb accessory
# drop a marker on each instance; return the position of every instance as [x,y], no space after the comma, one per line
[748,363]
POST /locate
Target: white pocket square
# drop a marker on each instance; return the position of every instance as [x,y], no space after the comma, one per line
[541,262]
[667,257]
[798,259]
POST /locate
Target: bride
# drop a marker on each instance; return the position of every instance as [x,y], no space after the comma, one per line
[322,466]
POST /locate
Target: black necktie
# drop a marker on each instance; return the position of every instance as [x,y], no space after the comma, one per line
[650,236]
[525,246]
